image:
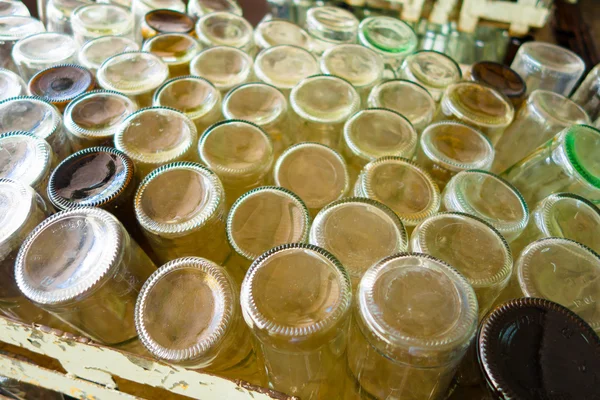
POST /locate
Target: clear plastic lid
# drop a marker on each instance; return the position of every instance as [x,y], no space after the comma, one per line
[91,247]
[551,58]
[199,8]
[388,36]
[11,85]
[132,73]
[99,19]
[191,95]
[582,144]
[278,31]
[225,67]
[96,51]
[224,29]
[332,24]
[25,158]
[173,48]
[500,77]
[259,103]
[201,288]
[402,186]
[30,114]
[359,232]
[13,7]
[432,69]
[296,292]
[556,108]
[418,309]
[91,177]
[283,66]
[456,146]
[314,172]
[177,199]
[45,48]
[13,27]
[265,218]
[378,132]
[563,271]
[61,83]
[98,114]
[169,21]
[359,65]
[324,99]
[477,104]
[16,203]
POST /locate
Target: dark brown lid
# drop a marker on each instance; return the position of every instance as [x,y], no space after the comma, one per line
[61,83]
[536,349]
[169,21]
[500,77]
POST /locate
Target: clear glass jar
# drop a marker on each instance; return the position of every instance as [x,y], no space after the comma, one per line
[548,66]
[196,97]
[402,186]
[502,78]
[142,7]
[415,317]
[433,70]
[12,29]
[92,118]
[240,153]
[407,98]
[586,94]
[96,51]
[13,7]
[199,8]
[156,136]
[567,163]
[263,105]
[175,49]
[314,172]
[62,83]
[38,117]
[359,232]
[225,29]
[216,339]
[479,106]
[161,21]
[490,198]
[543,116]
[58,14]
[42,50]
[136,74]
[284,66]
[91,281]
[96,20]
[322,104]
[181,208]
[11,85]
[448,147]
[274,32]
[300,329]
[329,26]
[225,67]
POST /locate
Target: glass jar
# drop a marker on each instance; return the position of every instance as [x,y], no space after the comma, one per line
[96,51]
[92,118]
[38,117]
[415,317]
[449,147]
[329,26]
[196,97]
[433,70]
[161,21]
[199,8]
[96,20]
[359,232]
[216,340]
[181,208]
[136,74]
[90,281]
[240,153]
[263,105]
[300,329]
[543,116]
[156,136]
[586,94]
[548,66]
[567,163]
[12,29]
[479,106]
[274,32]
[377,132]
[58,14]
[11,85]
[402,186]
[501,78]
[314,172]
[515,337]
[225,67]
[62,83]
[322,104]
[284,66]
[225,29]
[13,7]
[175,49]
[141,7]
[407,98]
[43,50]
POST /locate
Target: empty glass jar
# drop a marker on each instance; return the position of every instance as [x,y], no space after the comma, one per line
[58,14]
[11,85]
[12,29]
[587,95]
[141,7]
[269,33]
[13,7]
[225,29]
[96,51]
[42,50]
[163,20]
[61,84]
[175,49]
[96,20]
[199,8]
[329,26]
[284,66]
[225,67]
[501,78]
[433,70]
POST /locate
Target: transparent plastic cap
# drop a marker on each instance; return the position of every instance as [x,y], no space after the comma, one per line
[478,104]
[582,144]
[173,48]
[556,108]
[378,132]
[259,103]
[13,7]
[24,157]
[225,67]
[11,85]
[61,83]
[191,95]
[277,31]
[563,271]
[553,59]
[264,218]
[314,172]
[205,290]
[16,201]
[29,114]
[132,73]
[224,29]
[13,27]
[96,51]
[359,65]
[283,66]
[45,48]
[388,36]
[332,24]
[178,198]
[97,19]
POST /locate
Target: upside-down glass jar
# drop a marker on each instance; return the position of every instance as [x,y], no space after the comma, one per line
[141,7]
[43,50]
[11,85]
[175,49]
[58,14]
[274,32]
[163,20]
[93,54]
[433,70]
[96,20]
[502,78]
[12,29]
[225,29]
[586,94]
[329,26]
[13,7]
[199,8]
[61,84]
[223,66]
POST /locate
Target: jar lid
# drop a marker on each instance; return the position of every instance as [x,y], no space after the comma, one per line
[61,83]
[359,65]
[101,17]
[13,7]
[14,27]
[284,66]
[169,21]
[313,171]
[24,157]
[259,103]
[277,32]
[178,198]
[173,48]
[317,301]
[192,95]
[582,144]
[556,109]
[378,132]
[222,28]
[199,8]
[94,52]
[553,59]
[225,67]
[45,48]
[204,290]
[29,114]
[478,105]
[359,232]
[332,24]
[388,36]
[499,76]
[432,69]
[16,202]
[534,348]
[11,85]
[264,218]
[132,72]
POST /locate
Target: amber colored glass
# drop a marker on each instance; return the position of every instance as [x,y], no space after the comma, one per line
[61,84]
[175,49]
[141,7]
[166,21]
